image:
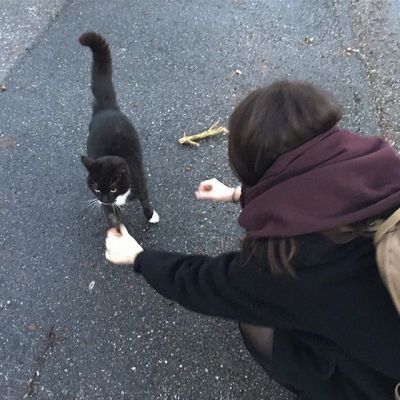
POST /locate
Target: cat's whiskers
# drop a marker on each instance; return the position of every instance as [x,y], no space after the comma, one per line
[94,203]
[90,201]
[90,204]
[119,208]
[115,209]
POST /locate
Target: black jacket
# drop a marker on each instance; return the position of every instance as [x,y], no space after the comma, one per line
[337,333]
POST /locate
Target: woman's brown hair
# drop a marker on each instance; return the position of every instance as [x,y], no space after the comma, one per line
[271,121]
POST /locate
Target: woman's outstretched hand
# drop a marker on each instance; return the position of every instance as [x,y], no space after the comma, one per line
[215,190]
[121,247]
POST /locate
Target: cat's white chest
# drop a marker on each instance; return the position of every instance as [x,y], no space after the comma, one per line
[121,199]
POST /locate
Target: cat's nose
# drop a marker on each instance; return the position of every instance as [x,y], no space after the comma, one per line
[107,200]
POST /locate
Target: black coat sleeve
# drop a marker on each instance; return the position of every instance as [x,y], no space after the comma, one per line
[219,286]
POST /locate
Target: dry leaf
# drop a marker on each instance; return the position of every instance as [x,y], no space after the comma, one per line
[7,141]
[32,327]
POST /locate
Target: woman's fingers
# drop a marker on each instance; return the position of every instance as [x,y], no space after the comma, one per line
[123,230]
[110,241]
[206,186]
[113,232]
[201,195]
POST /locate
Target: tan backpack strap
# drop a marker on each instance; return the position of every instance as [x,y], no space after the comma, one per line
[386,226]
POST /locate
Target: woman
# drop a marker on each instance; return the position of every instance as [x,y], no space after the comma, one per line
[304,288]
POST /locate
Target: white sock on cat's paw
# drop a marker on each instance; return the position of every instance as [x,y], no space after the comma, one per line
[154,218]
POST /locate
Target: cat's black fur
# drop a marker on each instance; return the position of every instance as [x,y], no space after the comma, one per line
[114,159]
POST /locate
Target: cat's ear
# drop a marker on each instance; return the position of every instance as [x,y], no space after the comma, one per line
[87,162]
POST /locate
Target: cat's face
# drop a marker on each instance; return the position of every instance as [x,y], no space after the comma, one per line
[108,178]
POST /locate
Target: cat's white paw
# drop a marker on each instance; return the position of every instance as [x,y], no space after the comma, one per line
[154,218]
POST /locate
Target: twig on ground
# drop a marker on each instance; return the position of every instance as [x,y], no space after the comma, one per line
[213,130]
[51,340]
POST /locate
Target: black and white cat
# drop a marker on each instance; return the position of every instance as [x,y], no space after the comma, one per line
[114,159]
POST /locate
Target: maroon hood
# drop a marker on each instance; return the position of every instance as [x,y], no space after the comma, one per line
[334,179]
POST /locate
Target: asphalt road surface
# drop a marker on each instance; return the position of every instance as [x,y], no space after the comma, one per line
[71,325]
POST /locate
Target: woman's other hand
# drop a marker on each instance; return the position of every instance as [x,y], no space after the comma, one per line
[215,190]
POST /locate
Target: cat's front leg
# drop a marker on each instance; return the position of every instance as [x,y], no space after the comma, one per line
[112,218]
[148,211]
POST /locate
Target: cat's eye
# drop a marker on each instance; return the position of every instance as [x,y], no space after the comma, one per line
[97,190]
[113,190]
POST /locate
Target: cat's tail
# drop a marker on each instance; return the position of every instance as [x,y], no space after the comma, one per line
[102,85]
